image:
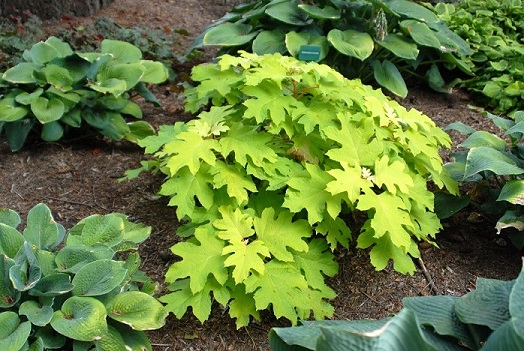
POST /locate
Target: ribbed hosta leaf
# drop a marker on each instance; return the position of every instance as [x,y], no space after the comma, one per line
[13,332]
[351,43]
[98,278]
[10,240]
[121,51]
[137,310]
[36,313]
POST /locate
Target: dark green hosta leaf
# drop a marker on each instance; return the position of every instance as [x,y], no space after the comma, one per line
[485,158]
[10,240]
[17,132]
[13,332]
[288,12]
[9,217]
[9,296]
[42,230]
[144,92]
[516,129]
[52,131]
[447,205]
[399,46]
[37,345]
[98,278]
[36,313]
[513,192]
[97,229]
[229,34]
[117,127]
[137,310]
[22,73]
[327,12]
[51,339]
[484,138]
[121,51]
[421,33]
[388,76]
[81,318]
[461,128]
[351,43]
[112,340]
[295,40]
[73,257]
[270,42]
[134,339]
[10,112]
[52,285]
[47,110]
[411,9]
[139,130]
[512,219]
[76,66]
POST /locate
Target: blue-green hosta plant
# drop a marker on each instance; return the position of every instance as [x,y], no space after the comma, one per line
[488,318]
[74,291]
[56,88]
[493,29]
[495,166]
[268,177]
[384,42]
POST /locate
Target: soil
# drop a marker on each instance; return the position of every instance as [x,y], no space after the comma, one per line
[77,178]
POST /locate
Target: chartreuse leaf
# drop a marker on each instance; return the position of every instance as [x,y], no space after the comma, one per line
[336,232]
[130,73]
[206,249]
[350,181]
[13,332]
[235,179]
[309,193]
[234,225]
[188,149]
[280,233]
[136,309]
[242,306]
[37,313]
[98,278]
[245,257]
[47,110]
[392,175]
[315,263]
[81,318]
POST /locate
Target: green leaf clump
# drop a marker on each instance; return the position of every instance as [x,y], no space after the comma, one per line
[382,42]
[56,89]
[488,318]
[74,290]
[269,176]
[494,166]
[493,29]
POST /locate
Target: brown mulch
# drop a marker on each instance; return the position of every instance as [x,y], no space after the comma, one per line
[78,178]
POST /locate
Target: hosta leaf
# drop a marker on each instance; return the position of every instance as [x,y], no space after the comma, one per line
[98,278]
[133,339]
[294,42]
[229,34]
[512,219]
[155,72]
[412,10]
[316,12]
[513,192]
[97,229]
[26,98]
[270,42]
[388,76]
[351,43]
[81,318]
[62,47]
[280,233]
[288,12]
[47,110]
[52,285]
[484,138]
[113,86]
[485,158]
[9,217]
[22,73]
[111,341]
[10,240]
[136,309]
[52,131]
[116,127]
[310,193]
[26,272]
[42,230]
[58,76]
[36,313]
[9,296]
[51,338]
[43,52]
[399,46]
[421,33]
[13,332]
[204,248]
[17,132]
[130,73]
[73,257]
[10,112]
[121,51]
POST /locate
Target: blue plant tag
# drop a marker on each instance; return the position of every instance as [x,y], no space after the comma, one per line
[309,53]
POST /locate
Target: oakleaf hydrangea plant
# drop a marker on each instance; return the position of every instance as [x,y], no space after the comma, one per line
[268,177]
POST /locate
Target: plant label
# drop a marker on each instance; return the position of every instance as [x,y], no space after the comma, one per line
[309,53]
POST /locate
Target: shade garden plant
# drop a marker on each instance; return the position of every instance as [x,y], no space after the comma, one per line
[269,178]
[80,290]
[56,89]
[381,42]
